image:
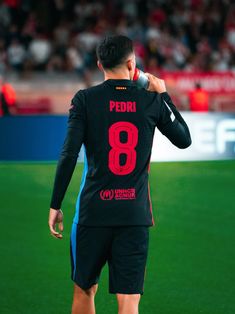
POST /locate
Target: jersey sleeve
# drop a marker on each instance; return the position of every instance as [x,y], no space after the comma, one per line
[71,147]
[171,123]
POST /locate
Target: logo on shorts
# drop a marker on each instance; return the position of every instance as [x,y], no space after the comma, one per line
[106,195]
[118,194]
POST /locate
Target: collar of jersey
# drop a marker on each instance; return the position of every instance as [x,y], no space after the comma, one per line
[123,82]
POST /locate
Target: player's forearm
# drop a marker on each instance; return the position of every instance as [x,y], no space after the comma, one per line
[176,113]
[66,165]
[63,176]
[177,132]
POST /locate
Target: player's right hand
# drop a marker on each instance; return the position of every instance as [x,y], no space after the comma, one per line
[156,84]
[56,217]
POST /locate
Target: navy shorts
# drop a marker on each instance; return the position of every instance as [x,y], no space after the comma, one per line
[123,248]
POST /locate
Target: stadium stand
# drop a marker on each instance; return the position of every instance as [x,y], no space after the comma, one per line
[59,37]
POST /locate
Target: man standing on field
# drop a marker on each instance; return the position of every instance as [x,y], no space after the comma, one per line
[115,121]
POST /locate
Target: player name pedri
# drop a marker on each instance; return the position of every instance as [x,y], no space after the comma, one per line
[122,106]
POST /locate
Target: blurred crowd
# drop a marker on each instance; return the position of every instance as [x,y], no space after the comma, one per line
[61,35]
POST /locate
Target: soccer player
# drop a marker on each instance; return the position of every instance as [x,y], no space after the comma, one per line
[115,121]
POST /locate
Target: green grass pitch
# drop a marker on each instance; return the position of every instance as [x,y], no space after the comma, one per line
[191,264]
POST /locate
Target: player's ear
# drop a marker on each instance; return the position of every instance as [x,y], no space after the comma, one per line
[131,67]
[130,64]
[100,66]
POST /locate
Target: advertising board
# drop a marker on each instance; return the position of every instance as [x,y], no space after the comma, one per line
[40,138]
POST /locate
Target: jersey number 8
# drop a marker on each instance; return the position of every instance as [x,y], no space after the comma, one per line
[119,148]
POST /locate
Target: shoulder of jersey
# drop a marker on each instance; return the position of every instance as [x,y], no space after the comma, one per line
[98,86]
[93,88]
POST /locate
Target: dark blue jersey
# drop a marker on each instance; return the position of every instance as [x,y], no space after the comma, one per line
[115,121]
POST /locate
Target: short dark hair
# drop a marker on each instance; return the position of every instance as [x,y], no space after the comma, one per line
[113,50]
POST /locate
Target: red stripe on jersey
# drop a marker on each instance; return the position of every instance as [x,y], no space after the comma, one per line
[150,203]
[149,196]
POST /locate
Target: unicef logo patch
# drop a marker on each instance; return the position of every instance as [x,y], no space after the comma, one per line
[107,195]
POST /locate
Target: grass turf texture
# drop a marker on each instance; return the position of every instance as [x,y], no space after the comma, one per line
[191,261]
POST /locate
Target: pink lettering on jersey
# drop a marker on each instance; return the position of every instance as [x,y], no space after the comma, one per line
[111,105]
[122,106]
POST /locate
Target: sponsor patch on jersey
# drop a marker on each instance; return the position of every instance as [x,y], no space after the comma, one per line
[120,87]
[118,194]
[107,195]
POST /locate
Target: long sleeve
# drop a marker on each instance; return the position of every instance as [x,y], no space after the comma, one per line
[171,123]
[71,147]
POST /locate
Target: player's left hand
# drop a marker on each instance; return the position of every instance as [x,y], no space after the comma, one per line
[56,217]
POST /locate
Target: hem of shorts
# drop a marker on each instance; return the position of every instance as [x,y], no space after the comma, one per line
[82,286]
[112,225]
[126,292]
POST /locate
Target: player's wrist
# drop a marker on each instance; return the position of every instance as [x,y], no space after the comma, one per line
[161,91]
[56,209]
